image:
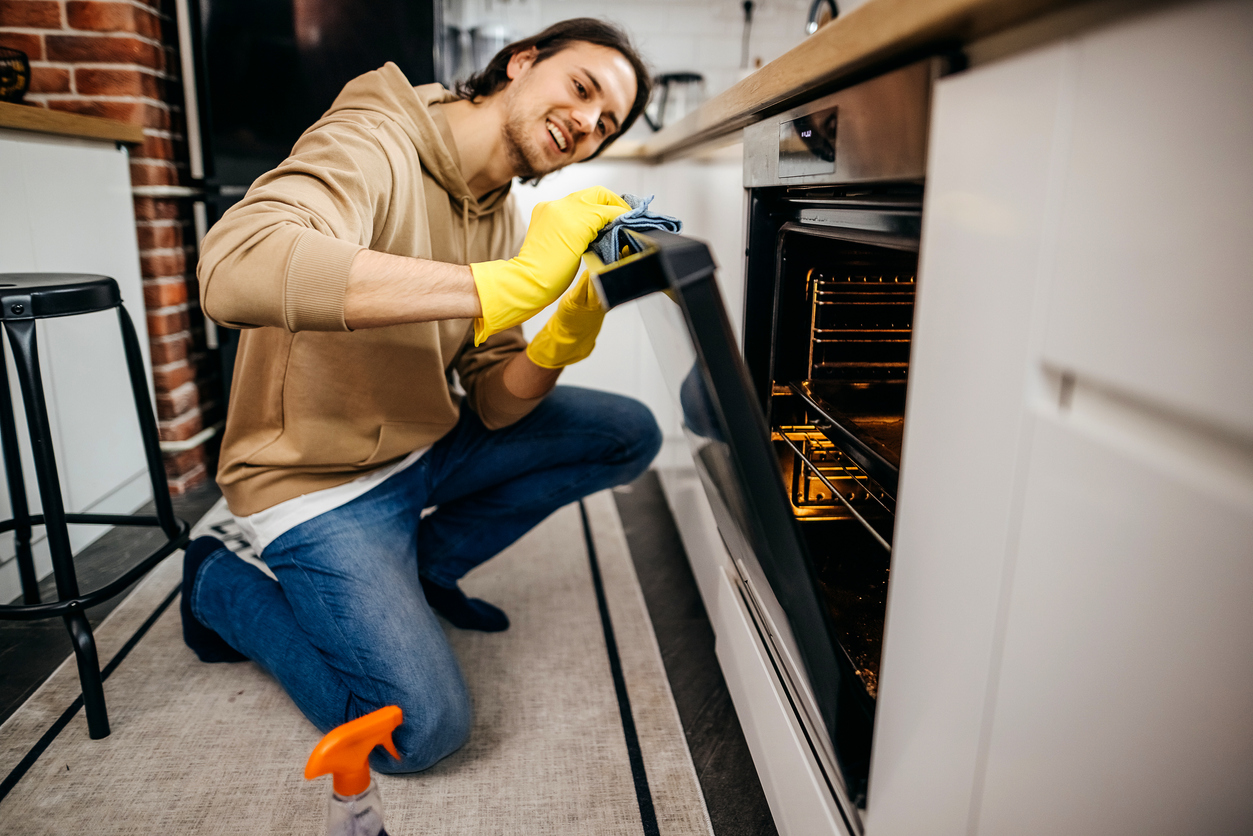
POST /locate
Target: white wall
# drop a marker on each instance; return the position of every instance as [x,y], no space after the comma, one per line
[705,193]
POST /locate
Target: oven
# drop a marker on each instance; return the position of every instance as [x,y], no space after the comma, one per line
[797,438]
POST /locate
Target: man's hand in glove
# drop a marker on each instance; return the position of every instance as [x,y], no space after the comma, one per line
[570,334]
[560,232]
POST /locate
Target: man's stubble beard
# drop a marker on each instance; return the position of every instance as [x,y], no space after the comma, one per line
[528,161]
[515,148]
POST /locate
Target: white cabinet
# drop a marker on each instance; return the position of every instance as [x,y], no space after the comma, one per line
[67,207]
[1069,632]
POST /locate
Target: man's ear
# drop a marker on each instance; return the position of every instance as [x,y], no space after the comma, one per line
[520,61]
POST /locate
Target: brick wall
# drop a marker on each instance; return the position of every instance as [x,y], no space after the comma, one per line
[120,60]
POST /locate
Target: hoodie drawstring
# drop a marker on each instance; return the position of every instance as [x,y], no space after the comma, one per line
[465,226]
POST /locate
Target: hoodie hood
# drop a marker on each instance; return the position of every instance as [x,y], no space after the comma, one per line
[387,92]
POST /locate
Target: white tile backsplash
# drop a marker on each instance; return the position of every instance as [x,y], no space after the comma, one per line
[696,35]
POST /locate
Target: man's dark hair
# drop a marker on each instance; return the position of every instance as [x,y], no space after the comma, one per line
[552,40]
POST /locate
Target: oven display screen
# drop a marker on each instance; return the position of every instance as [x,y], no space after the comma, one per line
[807,145]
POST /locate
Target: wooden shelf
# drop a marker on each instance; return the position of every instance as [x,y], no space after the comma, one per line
[870,36]
[41,120]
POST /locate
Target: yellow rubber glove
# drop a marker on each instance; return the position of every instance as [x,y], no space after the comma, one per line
[560,232]
[570,334]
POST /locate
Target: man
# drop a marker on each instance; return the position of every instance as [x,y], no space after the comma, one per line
[369,273]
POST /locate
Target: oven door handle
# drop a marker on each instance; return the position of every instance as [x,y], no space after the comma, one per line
[657,261]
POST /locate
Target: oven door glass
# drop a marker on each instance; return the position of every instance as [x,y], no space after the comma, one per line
[739,467]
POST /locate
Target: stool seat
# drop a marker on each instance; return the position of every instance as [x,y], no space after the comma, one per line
[45,295]
[25,298]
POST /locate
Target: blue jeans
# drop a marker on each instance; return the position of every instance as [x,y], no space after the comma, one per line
[347,630]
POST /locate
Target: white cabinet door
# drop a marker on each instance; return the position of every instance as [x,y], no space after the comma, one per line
[1153,285]
[992,140]
[1124,702]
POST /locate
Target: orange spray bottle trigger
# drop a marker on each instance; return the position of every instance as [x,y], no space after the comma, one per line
[345,750]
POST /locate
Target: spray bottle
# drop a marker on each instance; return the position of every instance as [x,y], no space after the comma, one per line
[356,808]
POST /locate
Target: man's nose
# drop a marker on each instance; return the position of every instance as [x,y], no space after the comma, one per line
[584,118]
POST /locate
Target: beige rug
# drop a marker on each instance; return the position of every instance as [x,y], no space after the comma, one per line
[220,749]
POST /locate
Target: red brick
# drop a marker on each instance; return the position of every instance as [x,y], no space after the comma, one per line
[35,14]
[112,17]
[174,403]
[182,427]
[169,349]
[32,45]
[155,147]
[130,112]
[49,80]
[155,209]
[134,113]
[156,173]
[193,477]
[164,293]
[160,264]
[168,378]
[159,237]
[181,464]
[164,323]
[99,82]
[103,49]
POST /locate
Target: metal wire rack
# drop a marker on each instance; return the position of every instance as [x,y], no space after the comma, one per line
[823,476]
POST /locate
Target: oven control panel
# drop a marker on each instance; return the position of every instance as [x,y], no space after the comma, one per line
[807,144]
[881,137]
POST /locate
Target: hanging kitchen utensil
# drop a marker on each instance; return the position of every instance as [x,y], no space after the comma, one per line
[674,96]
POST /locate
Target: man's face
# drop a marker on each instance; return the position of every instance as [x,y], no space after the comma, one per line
[560,110]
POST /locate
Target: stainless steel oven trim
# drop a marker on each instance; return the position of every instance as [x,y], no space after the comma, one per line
[881,134]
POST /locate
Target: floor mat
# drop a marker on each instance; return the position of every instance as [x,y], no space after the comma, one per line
[573,734]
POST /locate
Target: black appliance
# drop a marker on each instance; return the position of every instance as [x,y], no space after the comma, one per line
[258,73]
[798,440]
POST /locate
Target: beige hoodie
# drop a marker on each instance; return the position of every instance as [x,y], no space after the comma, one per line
[313,404]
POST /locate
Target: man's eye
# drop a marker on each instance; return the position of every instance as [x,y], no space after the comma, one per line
[600,127]
[582,91]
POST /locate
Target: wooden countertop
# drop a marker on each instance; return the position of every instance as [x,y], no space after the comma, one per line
[41,120]
[874,34]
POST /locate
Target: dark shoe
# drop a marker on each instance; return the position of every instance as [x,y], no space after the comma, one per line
[208,645]
[463,612]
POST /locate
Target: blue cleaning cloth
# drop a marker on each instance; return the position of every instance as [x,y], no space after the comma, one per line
[608,245]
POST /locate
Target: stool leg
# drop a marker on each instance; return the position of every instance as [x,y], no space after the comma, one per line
[88,673]
[17,491]
[26,357]
[147,425]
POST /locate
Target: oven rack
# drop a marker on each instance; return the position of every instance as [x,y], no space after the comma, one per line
[846,482]
[845,432]
[860,324]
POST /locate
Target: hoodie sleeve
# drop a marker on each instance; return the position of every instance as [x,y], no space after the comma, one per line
[280,257]
[481,370]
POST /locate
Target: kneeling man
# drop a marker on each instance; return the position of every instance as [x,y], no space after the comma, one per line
[389,427]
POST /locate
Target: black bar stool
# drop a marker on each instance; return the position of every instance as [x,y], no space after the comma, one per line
[24,298]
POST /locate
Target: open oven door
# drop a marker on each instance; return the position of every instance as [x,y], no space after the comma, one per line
[674,279]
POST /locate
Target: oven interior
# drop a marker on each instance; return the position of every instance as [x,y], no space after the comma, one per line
[843,315]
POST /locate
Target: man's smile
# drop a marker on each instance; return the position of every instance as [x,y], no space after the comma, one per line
[560,139]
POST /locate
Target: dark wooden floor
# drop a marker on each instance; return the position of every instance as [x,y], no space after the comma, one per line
[31,650]
[733,794]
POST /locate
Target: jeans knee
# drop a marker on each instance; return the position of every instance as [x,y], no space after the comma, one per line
[642,435]
[433,728]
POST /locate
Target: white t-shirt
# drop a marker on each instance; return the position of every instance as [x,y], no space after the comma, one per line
[264,527]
